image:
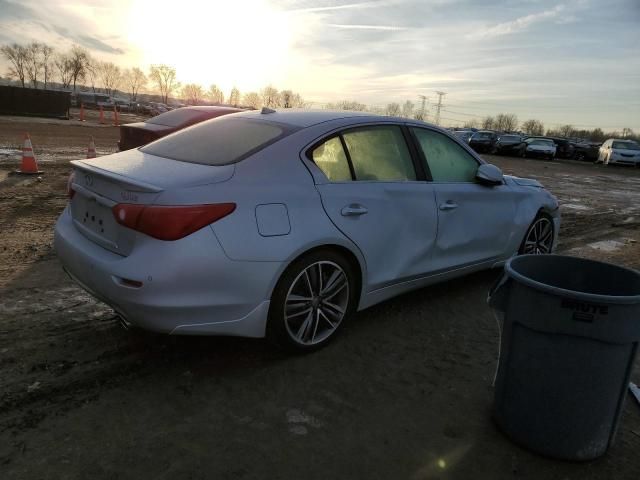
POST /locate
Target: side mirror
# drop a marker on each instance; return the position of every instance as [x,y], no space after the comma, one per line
[489,174]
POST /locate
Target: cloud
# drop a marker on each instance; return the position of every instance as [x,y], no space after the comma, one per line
[365,27]
[520,24]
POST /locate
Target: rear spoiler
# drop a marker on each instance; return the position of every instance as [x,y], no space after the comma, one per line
[130,183]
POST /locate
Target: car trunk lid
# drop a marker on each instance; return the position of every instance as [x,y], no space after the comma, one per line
[131,177]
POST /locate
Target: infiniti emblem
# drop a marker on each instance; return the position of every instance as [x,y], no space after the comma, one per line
[88,180]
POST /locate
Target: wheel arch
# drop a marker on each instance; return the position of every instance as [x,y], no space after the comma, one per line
[356,262]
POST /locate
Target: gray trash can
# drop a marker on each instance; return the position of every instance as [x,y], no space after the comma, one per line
[571,332]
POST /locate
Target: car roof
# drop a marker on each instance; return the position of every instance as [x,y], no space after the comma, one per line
[306,118]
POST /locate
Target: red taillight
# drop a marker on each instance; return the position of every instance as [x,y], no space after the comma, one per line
[70,191]
[169,222]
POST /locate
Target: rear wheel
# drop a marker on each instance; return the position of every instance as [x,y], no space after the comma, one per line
[539,237]
[311,301]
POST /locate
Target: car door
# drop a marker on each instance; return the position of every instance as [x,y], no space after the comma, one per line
[375,196]
[475,221]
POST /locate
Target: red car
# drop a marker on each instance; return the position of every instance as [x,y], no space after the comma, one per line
[133,135]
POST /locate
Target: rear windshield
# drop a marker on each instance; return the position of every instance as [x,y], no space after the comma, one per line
[510,138]
[482,135]
[219,141]
[176,118]
[626,145]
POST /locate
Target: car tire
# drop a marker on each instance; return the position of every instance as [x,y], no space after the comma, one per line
[538,239]
[313,298]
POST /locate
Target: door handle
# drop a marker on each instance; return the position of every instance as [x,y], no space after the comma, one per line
[353,210]
[448,205]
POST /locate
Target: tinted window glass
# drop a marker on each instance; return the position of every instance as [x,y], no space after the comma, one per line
[220,141]
[379,153]
[331,159]
[447,160]
[175,118]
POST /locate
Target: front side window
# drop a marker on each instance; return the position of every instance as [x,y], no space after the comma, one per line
[379,153]
[447,161]
[331,159]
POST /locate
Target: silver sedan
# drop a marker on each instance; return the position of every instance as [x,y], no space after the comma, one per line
[282,224]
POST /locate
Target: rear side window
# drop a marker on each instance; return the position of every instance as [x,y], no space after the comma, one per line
[331,159]
[220,141]
[447,161]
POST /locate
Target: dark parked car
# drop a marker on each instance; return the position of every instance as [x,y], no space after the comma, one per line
[508,144]
[587,151]
[564,147]
[134,135]
[483,141]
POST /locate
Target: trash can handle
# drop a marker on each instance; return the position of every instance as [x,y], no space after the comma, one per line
[499,292]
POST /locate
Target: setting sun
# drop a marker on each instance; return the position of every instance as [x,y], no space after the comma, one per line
[243,44]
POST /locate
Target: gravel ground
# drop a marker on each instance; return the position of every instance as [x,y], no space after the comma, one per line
[405,392]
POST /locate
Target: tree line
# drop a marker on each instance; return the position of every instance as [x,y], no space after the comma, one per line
[37,64]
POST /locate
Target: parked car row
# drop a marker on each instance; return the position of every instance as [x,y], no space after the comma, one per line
[624,152]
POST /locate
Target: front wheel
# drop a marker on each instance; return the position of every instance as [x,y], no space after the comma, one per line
[311,301]
[539,237]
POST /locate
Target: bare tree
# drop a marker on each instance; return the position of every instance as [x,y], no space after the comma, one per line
[215,95]
[252,99]
[63,65]
[290,99]
[134,79]
[566,130]
[488,123]
[79,59]
[347,105]
[234,97]
[270,96]
[627,132]
[110,75]
[471,124]
[47,54]
[164,77]
[17,56]
[192,93]
[33,64]
[407,109]
[533,127]
[92,72]
[393,110]
[505,122]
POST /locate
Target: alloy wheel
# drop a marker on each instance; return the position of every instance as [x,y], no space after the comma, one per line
[316,303]
[539,239]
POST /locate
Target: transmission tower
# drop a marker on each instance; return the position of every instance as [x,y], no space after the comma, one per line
[423,111]
[439,106]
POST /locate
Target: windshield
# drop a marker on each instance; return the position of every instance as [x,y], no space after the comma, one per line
[626,145]
[509,138]
[482,135]
[547,143]
[176,118]
[219,141]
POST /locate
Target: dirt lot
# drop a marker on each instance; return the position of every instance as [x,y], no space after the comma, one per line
[405,392]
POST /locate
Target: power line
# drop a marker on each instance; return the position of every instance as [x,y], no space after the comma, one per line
[423,113]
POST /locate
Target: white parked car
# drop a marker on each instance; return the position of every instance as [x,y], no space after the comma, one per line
[624,152]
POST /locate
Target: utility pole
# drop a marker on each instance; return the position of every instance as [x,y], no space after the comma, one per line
[439,106]
[423,113]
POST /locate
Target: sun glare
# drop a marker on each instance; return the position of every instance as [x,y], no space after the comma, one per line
[243,44]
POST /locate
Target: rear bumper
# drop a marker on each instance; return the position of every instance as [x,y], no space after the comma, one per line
[188,286]
[624,161]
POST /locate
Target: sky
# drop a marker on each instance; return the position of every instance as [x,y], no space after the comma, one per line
[571,61]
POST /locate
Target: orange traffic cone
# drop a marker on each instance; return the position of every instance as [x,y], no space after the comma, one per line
[101,114]
[91,151]
[29,165]
[82,112]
